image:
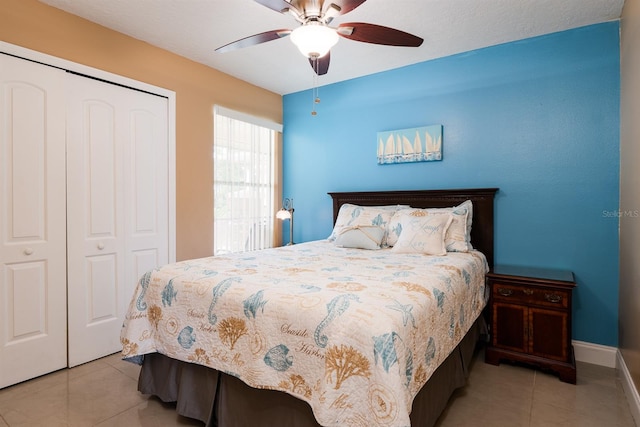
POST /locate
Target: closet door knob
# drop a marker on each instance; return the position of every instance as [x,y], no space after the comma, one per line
[101,246]
[28,251]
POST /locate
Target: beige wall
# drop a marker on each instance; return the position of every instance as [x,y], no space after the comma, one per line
[629,317]
[36,26]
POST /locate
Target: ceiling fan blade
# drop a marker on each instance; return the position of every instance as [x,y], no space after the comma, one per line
[320,65]
[377,34]
[278,5]
[347,5]
[254,40]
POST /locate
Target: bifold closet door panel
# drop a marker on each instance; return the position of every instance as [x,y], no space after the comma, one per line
[33,312]
[117,207]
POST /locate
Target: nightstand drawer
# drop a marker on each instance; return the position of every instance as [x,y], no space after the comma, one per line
[548,297]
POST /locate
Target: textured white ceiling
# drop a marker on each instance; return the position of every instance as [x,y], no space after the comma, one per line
[194,28]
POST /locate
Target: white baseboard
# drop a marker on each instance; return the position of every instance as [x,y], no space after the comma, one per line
[596,354]
[630,389]
[612,358]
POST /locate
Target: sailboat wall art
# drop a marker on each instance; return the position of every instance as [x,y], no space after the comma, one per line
[423,144]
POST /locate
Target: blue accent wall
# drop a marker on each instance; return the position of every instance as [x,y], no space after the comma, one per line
[538,118]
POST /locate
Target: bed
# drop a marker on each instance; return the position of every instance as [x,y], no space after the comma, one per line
[315,333]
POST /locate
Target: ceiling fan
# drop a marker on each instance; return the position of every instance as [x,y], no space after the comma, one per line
[314,37]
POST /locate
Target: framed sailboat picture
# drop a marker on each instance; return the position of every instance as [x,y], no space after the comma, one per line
[423,144]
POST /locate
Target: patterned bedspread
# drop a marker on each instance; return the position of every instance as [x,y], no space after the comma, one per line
[354,333]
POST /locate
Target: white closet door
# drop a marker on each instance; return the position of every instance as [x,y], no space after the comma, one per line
[117,213]
[33,319]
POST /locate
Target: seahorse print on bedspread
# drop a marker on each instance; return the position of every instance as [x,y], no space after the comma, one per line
[141,305]
[217,292]
[335,308]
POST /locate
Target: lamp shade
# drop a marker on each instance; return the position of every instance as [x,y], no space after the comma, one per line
[314,39]
[283,214]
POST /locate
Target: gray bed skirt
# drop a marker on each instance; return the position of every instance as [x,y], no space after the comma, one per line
[221,400]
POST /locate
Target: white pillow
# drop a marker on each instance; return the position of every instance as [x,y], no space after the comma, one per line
[458,237]
[351,215]
[422,232]
[361,237]
[468,205]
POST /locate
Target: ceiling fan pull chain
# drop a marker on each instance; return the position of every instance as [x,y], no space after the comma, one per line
[314,91]
[313,105]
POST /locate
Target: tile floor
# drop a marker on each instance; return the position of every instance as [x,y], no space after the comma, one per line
[509,396]
[103,393]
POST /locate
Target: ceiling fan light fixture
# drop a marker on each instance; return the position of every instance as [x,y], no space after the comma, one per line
[313,39]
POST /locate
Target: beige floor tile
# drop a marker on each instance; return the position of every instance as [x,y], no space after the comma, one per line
[494,396]
[590,396]
[48,381]
[130,369]
[152,412]
[470,409]
[547,415]
[513,395]
[86,368]
[80,401]
[596,374]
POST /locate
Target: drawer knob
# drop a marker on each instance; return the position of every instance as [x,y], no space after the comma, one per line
[528,291]
[28,251]
[505,292]
[553,297]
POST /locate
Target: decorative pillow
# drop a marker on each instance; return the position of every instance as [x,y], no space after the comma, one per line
[422,232]
[351,215]
[468,205]
[458,237]
[361,237]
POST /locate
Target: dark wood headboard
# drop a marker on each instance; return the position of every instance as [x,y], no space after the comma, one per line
[482,199]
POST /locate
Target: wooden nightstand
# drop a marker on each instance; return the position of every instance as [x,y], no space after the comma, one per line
[530,311]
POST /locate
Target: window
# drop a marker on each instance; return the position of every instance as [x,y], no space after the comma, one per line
[244,168]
